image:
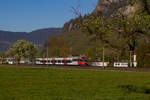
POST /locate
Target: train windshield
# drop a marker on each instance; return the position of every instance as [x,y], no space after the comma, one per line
[78,60]
[84,58]
[75,59]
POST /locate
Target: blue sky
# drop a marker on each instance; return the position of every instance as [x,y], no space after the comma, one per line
[29,15]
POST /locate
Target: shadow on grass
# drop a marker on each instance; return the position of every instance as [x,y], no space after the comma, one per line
[135,89]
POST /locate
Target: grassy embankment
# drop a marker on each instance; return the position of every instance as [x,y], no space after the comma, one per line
[20,83]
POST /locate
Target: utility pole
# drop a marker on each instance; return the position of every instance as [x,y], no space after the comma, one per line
[47,54]
[96,48]
[103,57]
[130,58]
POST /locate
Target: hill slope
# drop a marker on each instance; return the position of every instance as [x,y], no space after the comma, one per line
[37,37]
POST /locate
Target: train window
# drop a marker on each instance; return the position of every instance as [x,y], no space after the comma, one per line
[37,60]
[43,61]
[75,59]
[80,60]
[53,61]
[84,58]
[59,61]
[117,64]
[68,61]
[64,61]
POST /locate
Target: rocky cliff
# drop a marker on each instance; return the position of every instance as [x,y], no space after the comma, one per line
[110,8]
[104,7]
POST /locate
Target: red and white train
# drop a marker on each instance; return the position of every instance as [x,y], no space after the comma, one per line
[74,61]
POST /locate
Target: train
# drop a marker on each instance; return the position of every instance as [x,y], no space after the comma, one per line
[70,61]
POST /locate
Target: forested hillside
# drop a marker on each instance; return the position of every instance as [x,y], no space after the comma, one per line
[121,27]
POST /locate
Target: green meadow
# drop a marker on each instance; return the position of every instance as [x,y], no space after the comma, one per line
[26,83]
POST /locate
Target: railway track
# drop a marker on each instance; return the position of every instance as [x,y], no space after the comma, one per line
[82,67]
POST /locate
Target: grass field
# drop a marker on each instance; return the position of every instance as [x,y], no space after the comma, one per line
[25,83]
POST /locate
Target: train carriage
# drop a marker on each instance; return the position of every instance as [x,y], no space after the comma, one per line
[61,61]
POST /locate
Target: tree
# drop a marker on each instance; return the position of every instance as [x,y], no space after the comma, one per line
[56,47]
[133,27]
[90,53]
[23,49]
[100,28]
[128,27]
[143,53]
[64,51]
[2,56]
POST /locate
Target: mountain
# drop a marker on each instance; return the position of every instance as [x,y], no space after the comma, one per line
[38,37]
[78,41]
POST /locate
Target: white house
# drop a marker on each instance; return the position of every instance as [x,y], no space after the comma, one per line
[121,64]
[100,63]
